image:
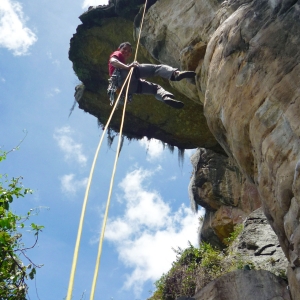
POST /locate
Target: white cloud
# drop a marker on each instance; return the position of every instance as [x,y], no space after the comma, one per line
[14,35]
[70,185]
[53,92]
[2,79]
[72,150]
[144,207]
[88,3]
[145,235]
[154,148]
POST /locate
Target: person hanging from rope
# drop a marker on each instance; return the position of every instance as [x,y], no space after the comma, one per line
[118,69]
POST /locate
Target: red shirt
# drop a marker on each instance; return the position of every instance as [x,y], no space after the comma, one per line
[119,56]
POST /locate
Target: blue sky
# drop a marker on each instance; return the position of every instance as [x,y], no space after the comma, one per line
[149,212]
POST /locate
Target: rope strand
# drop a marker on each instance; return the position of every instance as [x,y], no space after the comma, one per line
[77,245]
[113,174]
[83,210]
[97,266]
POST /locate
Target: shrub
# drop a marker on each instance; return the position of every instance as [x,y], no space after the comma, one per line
[13,272]
[195,267]
[181,279]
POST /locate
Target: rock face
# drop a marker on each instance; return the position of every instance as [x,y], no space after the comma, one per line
[250,77]
[248,80]
[246,285]
[115,8]
[177,32]
[228,197]
[259,245]
[247,59]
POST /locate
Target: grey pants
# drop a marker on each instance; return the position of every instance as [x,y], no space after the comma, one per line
[140,86]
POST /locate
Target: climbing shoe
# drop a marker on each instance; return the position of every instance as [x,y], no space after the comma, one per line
[173,103]
[177,76]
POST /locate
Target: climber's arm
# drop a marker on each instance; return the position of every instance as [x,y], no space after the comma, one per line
[117,64]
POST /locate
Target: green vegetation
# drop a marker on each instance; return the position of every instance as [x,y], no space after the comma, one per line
[185,273]
[234,234]
[196,267]
[13,272]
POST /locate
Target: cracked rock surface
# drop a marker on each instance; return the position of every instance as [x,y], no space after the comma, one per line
[259,244]
[246,285]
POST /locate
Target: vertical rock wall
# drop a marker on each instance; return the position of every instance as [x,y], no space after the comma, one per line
[251,78]
[246,55]
[246,285]
[219,187]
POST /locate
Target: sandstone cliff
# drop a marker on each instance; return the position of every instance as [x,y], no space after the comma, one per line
[245,99]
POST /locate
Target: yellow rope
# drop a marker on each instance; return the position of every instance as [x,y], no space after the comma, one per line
[108,199]
[113,174]
[76,250]
[77,245]
[142,22]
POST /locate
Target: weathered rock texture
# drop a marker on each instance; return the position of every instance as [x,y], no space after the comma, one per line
[177,33]
[248,79]
[259,245]
[246,56]
[246,285]
[228,197]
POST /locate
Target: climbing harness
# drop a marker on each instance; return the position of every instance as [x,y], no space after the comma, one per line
[113,85]
[76,250]
[113,88]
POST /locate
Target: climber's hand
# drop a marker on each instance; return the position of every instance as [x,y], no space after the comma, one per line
[133,65]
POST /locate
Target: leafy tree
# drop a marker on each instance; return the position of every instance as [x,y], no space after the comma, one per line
[14,272]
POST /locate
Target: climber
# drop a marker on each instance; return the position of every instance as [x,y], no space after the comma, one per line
[118,68]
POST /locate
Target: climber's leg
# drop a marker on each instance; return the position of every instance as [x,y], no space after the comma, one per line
[148,70]
[164,71]
[160,94]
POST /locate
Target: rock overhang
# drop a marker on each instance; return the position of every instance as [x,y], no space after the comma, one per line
[100,33]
